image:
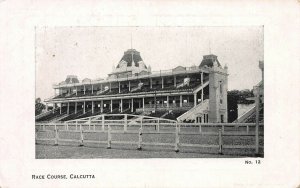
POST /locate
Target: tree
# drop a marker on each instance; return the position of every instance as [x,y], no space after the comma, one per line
[39,106]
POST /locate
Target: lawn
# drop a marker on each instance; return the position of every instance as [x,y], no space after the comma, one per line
[46,149]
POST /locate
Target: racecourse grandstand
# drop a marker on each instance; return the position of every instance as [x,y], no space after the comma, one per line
[196,93]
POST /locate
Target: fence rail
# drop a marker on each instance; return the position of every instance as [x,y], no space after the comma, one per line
[142,127]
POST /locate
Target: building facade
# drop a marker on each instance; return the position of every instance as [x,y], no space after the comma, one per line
[197,93]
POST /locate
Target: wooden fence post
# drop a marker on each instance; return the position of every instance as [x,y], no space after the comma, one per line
[220,142]
[140,139]
[179,127]
[56,137]
[247,129]
[81,137]
[80,126]
[142,122]
[200,128]
[76,124]
[125,123]
[94,126]
[55,126]
[158,125]
[89,123]
[108,137]
[176,138]
[103,123]
[223,129]
[36,131]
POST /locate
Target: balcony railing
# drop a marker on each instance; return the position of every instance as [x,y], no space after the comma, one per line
[133,77]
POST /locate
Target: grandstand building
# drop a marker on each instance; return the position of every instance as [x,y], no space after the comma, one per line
[187,94]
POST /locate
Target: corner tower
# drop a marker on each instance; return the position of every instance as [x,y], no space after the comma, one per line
[218,86]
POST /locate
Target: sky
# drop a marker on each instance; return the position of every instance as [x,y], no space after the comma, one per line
[91,52]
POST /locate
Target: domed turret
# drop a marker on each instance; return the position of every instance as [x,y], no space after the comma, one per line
[210,61]
[131,58]
[130,64]
[71,79]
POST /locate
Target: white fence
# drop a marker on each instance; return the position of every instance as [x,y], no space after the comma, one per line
[139,126]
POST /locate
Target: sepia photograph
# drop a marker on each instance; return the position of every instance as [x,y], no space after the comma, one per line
[149,92]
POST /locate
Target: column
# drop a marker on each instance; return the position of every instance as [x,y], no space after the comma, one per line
[84,107]
[111,106]
[68,109]
[75,107]
[168,102]
[162,82]
[109,86]
[202,87]
[195,99]
[151,83]
[132,105]
[121,105]
[174,81]
[180,101]
[101,107]
[93,104]
[129,85]
[76,90]
[84,89]
[119,87]
[143,103]
[92,89]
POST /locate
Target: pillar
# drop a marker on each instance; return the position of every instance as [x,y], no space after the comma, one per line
[180,101]
[76,90]
[119,87]
[129,85]
[75,107]
[195,99]
[111,106]
[84,107]
[202,87]
[60,108]
[101,107]
[143,103]
[174,81]
[84,89]
[168,101]
[121,105]
[151,83]
[93,104]
[162,82]
[109,86]
[68,109]
[92,89]
[132,105]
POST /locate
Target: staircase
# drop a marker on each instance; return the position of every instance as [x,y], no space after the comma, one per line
[193,112]
[140,85]
[197,89]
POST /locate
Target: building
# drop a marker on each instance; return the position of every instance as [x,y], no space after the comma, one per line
[193,94]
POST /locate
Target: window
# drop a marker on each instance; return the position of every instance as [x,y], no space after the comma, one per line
[221,88]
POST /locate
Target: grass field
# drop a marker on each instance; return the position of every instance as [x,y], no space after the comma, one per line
[45,149]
